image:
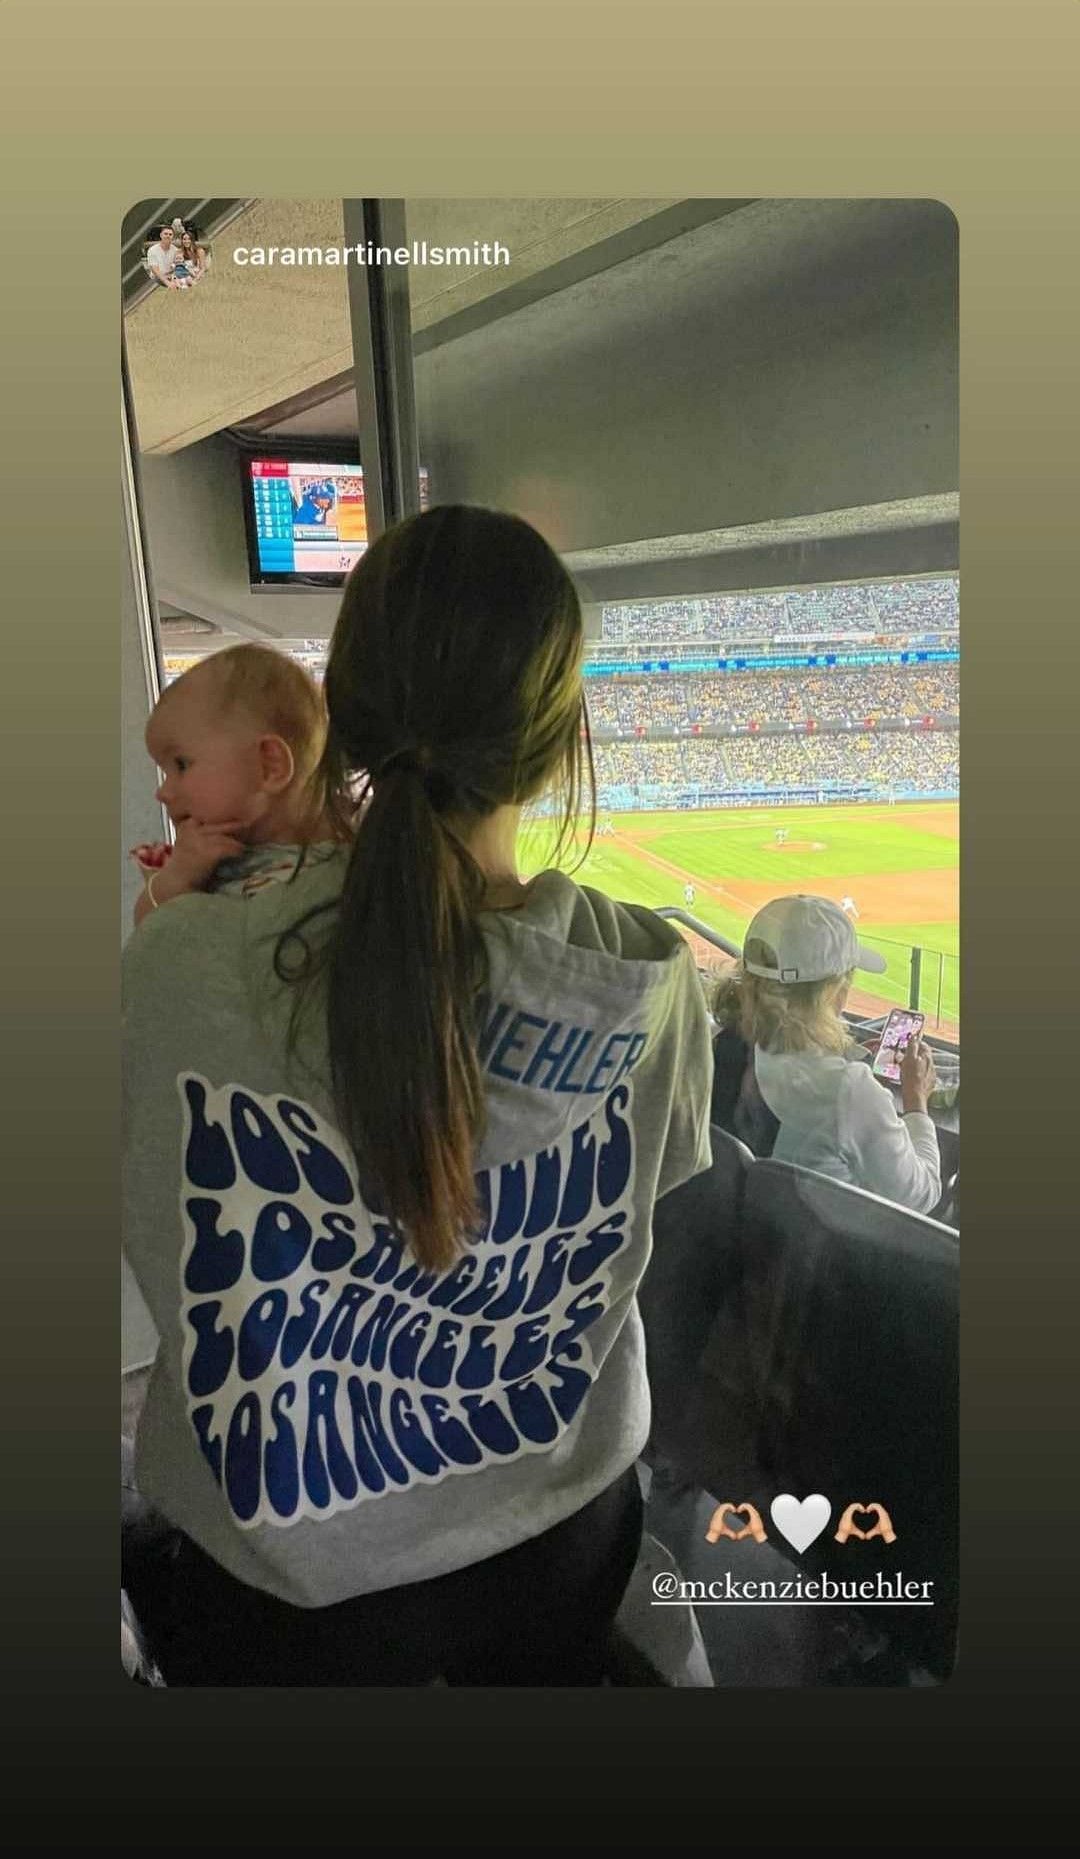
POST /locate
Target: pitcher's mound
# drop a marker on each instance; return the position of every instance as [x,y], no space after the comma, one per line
[795,845]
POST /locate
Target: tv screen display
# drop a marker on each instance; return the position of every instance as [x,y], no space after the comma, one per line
[305,518]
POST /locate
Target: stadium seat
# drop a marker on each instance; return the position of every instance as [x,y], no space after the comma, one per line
[948,1207]
[692,1273]
[147,1545]
[830,1366]
[136,1659]
[851,1345]
[656,1645]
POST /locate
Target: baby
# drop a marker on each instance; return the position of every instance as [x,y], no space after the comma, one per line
[238,740]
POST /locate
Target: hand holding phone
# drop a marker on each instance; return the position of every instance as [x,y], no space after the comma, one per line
[902,1026]
[917,1075]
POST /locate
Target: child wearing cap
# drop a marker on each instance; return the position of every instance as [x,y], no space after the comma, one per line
[238,739]
[798,960]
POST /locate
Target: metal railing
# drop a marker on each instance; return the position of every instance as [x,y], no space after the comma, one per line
[697,928]
[930,979]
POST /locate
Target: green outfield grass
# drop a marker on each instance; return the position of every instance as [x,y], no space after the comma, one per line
[900,860]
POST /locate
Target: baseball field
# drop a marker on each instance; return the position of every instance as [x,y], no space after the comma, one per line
[898,865]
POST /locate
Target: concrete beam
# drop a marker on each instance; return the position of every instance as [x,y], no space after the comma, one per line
[250,337]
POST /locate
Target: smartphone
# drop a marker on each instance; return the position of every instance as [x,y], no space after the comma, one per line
[901,1026]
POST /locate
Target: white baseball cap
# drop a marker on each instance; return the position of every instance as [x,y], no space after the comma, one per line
[813,938]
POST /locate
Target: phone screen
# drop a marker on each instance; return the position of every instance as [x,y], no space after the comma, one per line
[900,1027]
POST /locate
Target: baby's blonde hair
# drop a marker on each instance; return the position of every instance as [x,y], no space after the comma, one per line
[274,690]
[782,1016]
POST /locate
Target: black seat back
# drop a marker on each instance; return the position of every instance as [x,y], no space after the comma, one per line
[851,1313]
[691,1276]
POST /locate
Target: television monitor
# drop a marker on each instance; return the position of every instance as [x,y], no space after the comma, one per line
[305,518]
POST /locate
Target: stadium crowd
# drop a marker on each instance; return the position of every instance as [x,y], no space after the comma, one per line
[924,762]
[918,603]
[740,698]
[870,607]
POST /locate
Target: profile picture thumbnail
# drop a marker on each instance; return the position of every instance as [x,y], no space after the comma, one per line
[177,257]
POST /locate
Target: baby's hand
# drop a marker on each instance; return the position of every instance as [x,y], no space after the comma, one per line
[151,856]
[199,850]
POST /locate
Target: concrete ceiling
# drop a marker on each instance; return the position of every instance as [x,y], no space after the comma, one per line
[257,338]
[735,257]
[823,525]
[269,351]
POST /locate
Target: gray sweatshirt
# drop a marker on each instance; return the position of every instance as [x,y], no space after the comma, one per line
[324,1418]
[836,1118]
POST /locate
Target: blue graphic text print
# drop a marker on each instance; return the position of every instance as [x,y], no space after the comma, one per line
[322,1366]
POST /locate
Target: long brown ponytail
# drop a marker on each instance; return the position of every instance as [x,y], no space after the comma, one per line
[453,687]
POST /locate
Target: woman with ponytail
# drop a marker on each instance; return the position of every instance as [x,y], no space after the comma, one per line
[394,1140]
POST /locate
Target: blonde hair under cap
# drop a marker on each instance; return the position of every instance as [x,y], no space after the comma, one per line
[798,960]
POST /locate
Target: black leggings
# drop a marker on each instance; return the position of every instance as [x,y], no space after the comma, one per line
[537,1614]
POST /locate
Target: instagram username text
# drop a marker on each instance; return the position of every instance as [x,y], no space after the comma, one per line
[819,1589]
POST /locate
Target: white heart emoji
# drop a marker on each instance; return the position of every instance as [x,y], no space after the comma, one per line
[800,1523]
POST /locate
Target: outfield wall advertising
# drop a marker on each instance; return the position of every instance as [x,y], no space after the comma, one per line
[618,799]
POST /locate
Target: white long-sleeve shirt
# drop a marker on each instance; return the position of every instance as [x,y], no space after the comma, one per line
[835,1117]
